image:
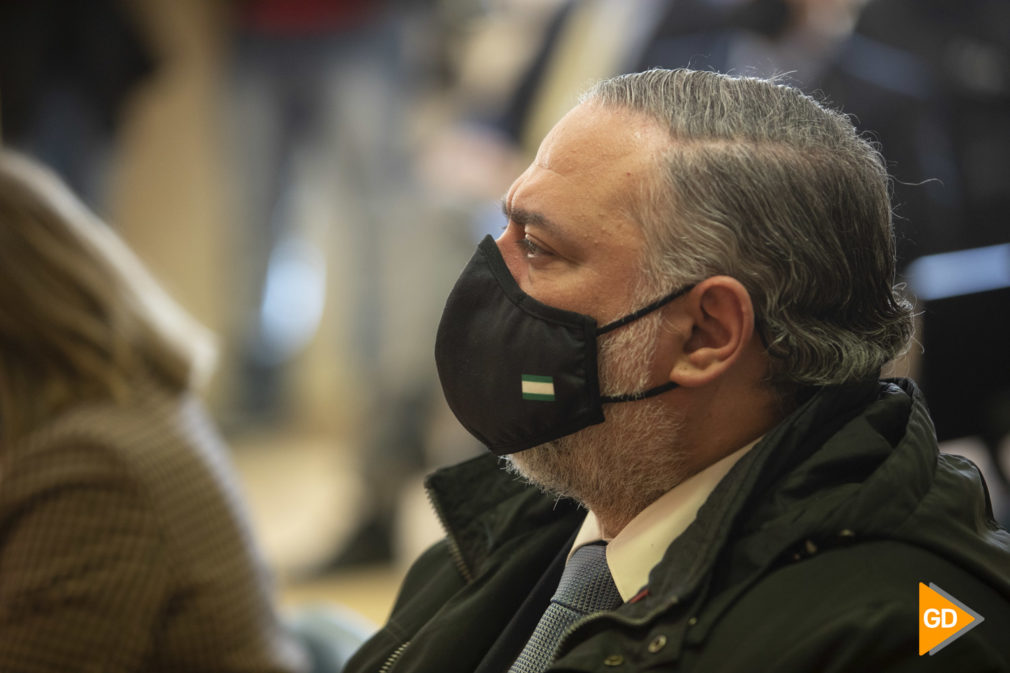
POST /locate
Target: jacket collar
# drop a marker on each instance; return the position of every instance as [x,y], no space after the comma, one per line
[481,507]
[729,511]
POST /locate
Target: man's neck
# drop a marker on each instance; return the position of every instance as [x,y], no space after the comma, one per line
[627,496]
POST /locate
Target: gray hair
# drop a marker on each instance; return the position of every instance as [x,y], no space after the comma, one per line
[764,184]
[81,318]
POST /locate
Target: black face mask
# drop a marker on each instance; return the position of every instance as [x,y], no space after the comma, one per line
[516,372]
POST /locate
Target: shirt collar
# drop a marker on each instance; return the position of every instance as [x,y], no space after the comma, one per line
[642,543]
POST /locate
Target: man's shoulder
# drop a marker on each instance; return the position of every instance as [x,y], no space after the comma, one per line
[856,606]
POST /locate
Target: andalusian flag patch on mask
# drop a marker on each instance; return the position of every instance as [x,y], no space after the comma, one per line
[539,388]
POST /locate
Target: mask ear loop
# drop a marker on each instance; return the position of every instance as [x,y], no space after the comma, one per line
[634,397]
[620,322]
[632,317]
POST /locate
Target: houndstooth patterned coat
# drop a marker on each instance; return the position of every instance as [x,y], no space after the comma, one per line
[124,547]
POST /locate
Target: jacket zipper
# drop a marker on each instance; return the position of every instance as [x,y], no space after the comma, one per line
[457,559]
[454,550]
[397,653]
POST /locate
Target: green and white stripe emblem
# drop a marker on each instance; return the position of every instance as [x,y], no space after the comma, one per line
[539,388]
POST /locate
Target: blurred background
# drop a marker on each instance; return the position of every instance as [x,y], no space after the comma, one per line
[308,177]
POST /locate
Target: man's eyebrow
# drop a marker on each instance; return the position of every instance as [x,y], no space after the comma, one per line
[527,217]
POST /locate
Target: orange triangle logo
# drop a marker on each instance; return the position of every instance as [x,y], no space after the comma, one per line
[942,619]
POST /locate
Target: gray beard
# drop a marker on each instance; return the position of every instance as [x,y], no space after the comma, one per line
[619,467]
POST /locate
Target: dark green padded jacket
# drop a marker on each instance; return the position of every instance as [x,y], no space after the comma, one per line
[806,557]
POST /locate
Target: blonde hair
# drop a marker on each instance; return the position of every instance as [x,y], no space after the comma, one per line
[81,318]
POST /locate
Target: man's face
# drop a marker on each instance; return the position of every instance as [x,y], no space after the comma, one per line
[571,242]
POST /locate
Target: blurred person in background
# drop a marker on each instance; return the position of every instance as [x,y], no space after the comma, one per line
[67,72]
[124,544]
[931,78]
[314,118]
[328,226]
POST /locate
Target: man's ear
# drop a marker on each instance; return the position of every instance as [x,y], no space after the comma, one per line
[720,318]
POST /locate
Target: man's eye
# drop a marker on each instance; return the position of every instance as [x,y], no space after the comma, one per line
[530,248]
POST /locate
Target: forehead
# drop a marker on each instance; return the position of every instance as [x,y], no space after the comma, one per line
[592,164]
[590,169]
[596,136]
